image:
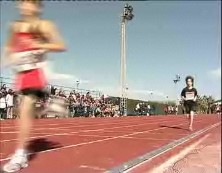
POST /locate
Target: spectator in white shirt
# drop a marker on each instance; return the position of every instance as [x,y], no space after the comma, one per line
[138,106]
[2,106]
[9,102]
[3,89]
[176,109]
[148,110]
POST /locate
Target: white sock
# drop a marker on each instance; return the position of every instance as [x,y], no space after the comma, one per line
[21,152]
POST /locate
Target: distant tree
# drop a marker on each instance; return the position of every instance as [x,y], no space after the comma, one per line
[205,104]
[210,102]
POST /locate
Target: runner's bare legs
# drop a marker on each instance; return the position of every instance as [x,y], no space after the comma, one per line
[191,116]
[29,12]
[25,122]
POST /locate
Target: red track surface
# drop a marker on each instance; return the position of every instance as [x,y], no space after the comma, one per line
[96,145]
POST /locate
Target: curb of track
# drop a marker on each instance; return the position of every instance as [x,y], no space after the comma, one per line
[127,166]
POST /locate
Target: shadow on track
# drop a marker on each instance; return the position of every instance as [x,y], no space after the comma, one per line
[175,127]
[41,144]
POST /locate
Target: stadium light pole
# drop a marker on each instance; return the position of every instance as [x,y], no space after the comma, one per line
[151,94]
[167,99]
[176,80]
[77,85]
[126,16]
[126,97]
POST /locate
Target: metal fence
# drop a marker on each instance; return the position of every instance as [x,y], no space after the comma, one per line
[9,82]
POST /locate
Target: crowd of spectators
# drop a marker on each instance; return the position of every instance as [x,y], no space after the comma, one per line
[218,108]
[76,104]
[171,110]
[85,105]
[7,102]
[144,109]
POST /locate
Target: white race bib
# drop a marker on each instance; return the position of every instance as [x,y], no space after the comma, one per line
[28,60]
[190,95]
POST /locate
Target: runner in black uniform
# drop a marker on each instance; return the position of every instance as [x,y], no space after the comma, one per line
[189,96]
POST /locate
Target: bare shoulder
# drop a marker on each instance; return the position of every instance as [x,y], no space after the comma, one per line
[46,24]
[15,25]
[50,30]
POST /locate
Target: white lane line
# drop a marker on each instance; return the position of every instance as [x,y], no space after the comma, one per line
[95,141]
[8,132]
[154,139]
[84,125]
[92,167]
[202,131]
[76,132]
[90,125]
[148,138]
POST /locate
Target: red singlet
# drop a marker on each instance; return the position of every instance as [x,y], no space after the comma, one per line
[32,79]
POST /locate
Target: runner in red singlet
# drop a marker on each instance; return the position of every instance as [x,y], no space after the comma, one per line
[29,39]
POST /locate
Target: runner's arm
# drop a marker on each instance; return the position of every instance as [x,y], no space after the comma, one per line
[55,42]
[183,95]
[195,95]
